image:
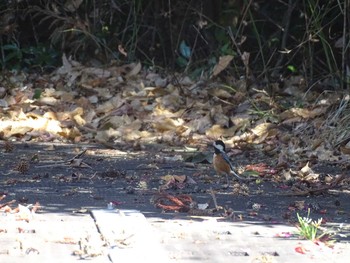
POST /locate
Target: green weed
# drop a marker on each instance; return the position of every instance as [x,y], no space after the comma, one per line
[310,229]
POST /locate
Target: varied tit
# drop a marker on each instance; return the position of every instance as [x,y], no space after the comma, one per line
[221,161]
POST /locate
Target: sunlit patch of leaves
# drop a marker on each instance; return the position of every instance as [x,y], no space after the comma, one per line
[130,105]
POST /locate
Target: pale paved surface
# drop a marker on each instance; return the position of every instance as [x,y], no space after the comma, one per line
[127,236]
[56,234]
[47,238]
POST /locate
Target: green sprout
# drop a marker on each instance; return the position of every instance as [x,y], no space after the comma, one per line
[310,229]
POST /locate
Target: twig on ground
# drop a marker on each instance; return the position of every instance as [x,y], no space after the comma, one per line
[93,176]
[316,191]
[7,203]
[212,193]
[76,161]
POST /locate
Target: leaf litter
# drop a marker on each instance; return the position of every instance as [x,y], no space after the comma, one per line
[134,106]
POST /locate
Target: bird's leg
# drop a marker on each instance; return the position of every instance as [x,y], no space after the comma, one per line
[227,185]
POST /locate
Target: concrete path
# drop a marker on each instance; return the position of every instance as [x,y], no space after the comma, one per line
[128,236]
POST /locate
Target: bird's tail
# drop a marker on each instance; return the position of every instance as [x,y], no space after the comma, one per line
[237,176]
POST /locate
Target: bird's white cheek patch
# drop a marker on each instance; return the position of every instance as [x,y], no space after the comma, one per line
[218,146]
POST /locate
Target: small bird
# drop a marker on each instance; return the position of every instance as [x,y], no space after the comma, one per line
[221,161]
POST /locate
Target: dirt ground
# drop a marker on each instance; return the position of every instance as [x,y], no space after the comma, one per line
[132,180]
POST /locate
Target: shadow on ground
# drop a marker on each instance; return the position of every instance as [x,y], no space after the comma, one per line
[130,181]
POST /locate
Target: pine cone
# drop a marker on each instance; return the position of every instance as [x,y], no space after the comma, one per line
[8,146]
[22,166]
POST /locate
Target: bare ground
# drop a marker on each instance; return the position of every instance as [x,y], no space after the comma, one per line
[131,181]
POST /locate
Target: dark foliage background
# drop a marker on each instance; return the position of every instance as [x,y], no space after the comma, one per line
[281,38]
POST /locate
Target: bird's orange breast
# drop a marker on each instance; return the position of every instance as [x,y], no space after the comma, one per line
[220,165]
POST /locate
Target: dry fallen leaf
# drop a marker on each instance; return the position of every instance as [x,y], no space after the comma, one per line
[135,69]
[300,250]
[224,61]
[303,113]
[122,50]
[167,124]
[306,169]
[345,149]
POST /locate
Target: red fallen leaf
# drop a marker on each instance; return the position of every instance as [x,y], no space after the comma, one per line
[116,203]
[261,168]
[283,186]
[323,211]
[284,234]
[291,208]
[300,250]
[253,213]
[169,202]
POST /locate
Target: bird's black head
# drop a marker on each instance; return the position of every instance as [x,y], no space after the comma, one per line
[219,146]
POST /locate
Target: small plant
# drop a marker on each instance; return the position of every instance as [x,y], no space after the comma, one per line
[39,56]
[310,229]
